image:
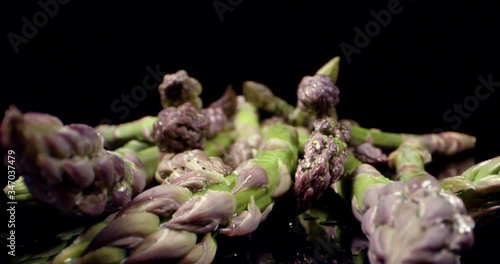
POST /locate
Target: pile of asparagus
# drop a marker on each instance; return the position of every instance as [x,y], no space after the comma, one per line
[168,185]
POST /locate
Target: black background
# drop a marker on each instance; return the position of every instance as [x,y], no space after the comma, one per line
[427,59]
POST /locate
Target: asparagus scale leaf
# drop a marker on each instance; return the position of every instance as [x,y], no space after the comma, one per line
[67,166]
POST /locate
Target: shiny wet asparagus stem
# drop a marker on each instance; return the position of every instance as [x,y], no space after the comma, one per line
[162,222]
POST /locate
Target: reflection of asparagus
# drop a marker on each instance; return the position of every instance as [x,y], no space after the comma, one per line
[47,251]
[161,223]
[67,166]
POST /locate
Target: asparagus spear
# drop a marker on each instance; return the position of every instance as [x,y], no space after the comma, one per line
[478,187]
[408,222]
[67,167]
[220,112]
[178,88]
[331,69]
[248,138]
[192,169]
[136,151]
[162,222]
[180,128]
[263,98]
[117,135]
[445,143]
[325,153]
[365,151]
[252,186]
[425,223]
[209,122]
[317,97]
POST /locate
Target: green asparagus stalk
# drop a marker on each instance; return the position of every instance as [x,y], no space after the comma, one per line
[67,167]
[248,134]
[162,223]
[117,135]
[445,143]
[18,190]
[409,159]
[263,98]
[218,146]
[478,187]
